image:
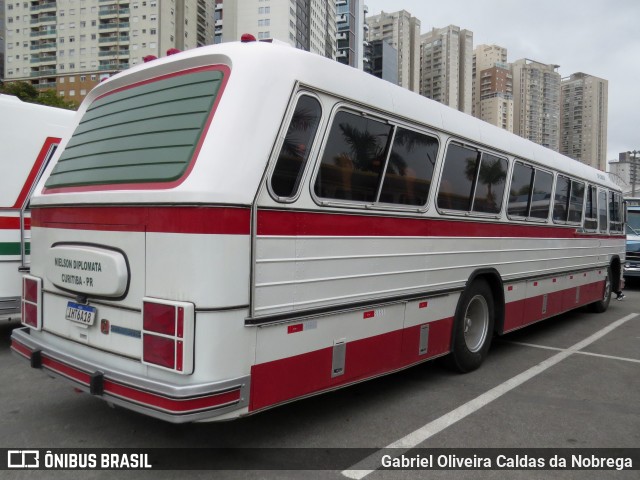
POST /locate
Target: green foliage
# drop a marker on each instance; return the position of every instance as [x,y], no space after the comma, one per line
[26,92]
[52,99]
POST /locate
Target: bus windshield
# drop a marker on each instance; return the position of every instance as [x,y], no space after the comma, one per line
[633,222]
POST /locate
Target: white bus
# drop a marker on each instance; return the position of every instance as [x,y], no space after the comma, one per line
[238,226]
[29,135]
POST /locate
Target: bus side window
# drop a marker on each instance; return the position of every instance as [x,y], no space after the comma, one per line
[560,202]
[295,149]
[615,218]
[353,159]
[458,177]
[408,176]
[541,197]
[602,211]
[576,202]
[490,184]
[591,211]
[520,190]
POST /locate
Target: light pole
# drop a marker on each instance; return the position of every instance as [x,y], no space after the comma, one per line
[633,170]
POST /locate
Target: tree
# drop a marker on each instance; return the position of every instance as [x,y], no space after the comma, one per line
[50,98]
[26,92]
[23,90]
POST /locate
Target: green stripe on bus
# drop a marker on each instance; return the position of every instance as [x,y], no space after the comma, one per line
[13,248]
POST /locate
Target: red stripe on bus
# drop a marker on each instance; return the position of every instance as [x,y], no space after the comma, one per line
[193,220]
[524,312]
[172,405]
[20,349]
[295,223]
[13,223]
[285,379]
[26,188]
[66,370]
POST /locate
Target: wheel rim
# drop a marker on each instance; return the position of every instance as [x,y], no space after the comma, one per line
[476,323]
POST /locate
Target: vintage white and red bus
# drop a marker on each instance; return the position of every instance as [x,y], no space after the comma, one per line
[242,225]
[29,135]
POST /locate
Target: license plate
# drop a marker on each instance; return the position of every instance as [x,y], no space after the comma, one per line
[84,314]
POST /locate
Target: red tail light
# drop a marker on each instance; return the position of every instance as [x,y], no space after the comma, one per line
[168,334]
[159,351]
[159,318]
[32,302]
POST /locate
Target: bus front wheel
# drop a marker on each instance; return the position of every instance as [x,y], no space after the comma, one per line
[473,327]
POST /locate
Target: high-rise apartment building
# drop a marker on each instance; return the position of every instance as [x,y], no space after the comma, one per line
[496,96]
[625,172]
[383,61]
[69,45]
[492,91]
[583,127]
[536,95]
[446,66]
[350,32]
[484,57]
[306,24]
[402,32]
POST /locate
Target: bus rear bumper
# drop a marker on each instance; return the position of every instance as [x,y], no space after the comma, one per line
[172,403]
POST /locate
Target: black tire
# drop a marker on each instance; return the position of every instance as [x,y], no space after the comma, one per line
[473,327]
[602,305]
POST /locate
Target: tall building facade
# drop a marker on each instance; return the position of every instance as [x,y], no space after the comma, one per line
[306,24]
[69,45]
[625,172]
[383,61]
[446,63]
[402,32]
[350,16]
[484,57]
[496,96]
[536,91]
[583,127]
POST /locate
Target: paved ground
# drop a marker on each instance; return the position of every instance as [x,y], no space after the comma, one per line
[572,381]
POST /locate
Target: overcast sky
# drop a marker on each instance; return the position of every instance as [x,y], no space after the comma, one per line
[597,37]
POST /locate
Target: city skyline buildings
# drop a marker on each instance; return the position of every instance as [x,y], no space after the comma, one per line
[70,45]
[402,31]
[568,33]
[415,16]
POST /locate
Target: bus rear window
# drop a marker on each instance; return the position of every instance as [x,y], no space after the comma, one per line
[146,133]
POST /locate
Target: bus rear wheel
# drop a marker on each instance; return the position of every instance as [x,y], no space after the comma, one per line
[473,327]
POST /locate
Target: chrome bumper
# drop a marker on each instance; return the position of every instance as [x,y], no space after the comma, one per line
[172,403]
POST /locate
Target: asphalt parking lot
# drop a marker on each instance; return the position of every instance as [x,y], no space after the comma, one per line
[568,382]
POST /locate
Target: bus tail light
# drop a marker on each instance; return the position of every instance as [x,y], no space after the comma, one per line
[31,302]
[168,334]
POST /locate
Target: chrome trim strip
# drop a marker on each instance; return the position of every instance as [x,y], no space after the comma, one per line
[9,305]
